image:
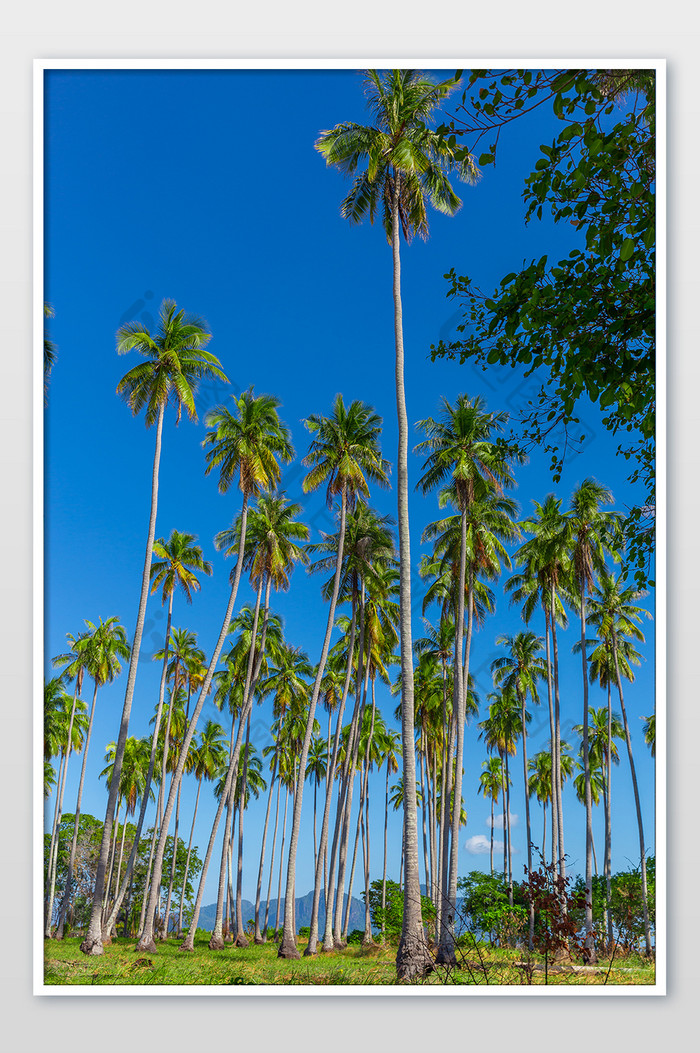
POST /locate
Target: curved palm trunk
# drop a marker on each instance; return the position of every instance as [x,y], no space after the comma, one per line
[58,812]
[92,944]
[552,740]
[607,862]
[258,934]
[642,850]
[531,909]
[272,859]
[446,947]
[216,942]
[556,775]
[279,882]
[166,921]
[412,957]
[288,946]
[328,938]
[241,938]
[76,826]
[352,755]
[187,863]
[590,939]
[146,942]
[188,943]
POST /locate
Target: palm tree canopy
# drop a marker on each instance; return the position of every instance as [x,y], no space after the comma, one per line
[249,443]
[399,153]
[345,451]
[174,563]
[175,362]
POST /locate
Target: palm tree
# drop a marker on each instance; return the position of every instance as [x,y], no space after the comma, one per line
[248,445]
[65,723]
[344,451]
[97,652]
[205,758]
[540,784]
[650,733]
[404,163]
[545,578]
[316,769]
[368,550]
[175,362]
[617,619]
[273,551]
[490,785]
[590,532]
[390,746]
[463,457]
[519,670]
[500,731]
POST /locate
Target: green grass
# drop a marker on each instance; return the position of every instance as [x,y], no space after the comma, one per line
[64,964]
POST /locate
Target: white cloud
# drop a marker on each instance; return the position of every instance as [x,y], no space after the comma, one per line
[480,845]
[498,821]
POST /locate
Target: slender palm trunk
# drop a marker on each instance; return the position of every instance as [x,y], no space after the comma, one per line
[216,942]
[328,939]
[146,940]
[412,958]
[491,853]
[279,881]
[258,937]
[288,946]
[531,911]
[607,863]
[187,863]
[92,944]
[590,939]
[508,839]
[58,812]
[272,858]
[446,948]
[166,922]
[642,851]
[424,822]
[556,775]
[188,943]
[112,859]
[241,938]
[76,826]
[552,740]
[386,827]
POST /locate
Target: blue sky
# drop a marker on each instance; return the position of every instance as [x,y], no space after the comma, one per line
[204,187]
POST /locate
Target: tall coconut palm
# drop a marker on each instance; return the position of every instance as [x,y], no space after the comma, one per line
[205,758]
[368,552]
[617,619]
[174,566]
[404,164]
[273,550]
[175,360]
[462,452]
[99,653]
[500,731]
[520,669]
[247,445]
[65,720]
[490,785]
[344,454]
[590,532]
[540,785]
[545,578]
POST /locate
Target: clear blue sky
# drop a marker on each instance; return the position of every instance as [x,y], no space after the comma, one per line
[203,186]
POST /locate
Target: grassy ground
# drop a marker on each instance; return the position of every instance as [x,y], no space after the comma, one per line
[65,964]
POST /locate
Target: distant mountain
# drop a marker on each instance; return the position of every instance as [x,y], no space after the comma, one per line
[207,915]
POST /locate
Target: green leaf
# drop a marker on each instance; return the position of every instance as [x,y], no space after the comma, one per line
[627,249]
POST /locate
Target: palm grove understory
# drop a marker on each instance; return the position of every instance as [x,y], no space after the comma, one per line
[562,566]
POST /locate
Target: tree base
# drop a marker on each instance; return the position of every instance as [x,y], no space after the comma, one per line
[241,941]
[147,944]
[328,944]
[186,946]
[288,948]
[311,950]
[413,961]
[216,943]
[92,945]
